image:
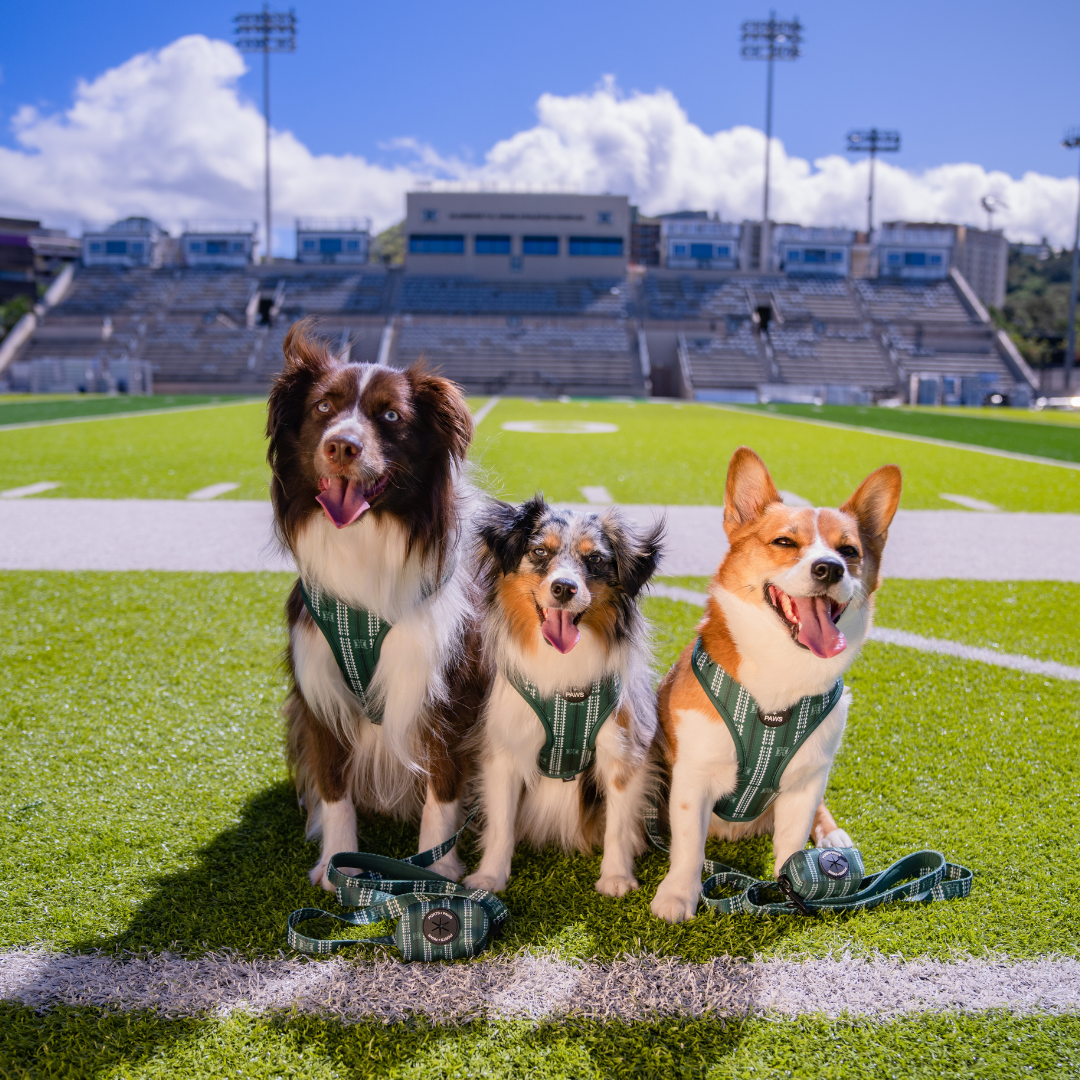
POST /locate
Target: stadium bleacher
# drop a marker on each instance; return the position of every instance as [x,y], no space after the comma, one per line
[730,360]
[471,296]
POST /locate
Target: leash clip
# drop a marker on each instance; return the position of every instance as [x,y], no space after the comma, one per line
[785,886]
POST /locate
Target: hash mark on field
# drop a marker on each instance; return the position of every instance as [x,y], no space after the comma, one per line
[597,495]
[481,414]
[30,489]
[212,492]
[969,503]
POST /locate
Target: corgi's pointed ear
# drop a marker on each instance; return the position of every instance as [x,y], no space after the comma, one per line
[874,503]
[749,489]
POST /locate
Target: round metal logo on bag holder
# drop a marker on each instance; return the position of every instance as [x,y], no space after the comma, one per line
[833,863]
[440,926]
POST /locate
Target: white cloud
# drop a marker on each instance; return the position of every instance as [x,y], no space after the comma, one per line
[168,135]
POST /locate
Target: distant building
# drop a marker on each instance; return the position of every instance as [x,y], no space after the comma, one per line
[983,259]
[495,235]
[229,245]
[333,240]
[17,258]
[644,239]
[798,250]
[131,242]
[915,251]
[689,241]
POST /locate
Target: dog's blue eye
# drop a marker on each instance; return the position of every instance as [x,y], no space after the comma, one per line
[323,406]
[540,553]
[390,415]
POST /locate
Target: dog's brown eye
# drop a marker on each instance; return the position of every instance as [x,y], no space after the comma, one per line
[390,416]
[848,551]
[785,541]
[323,406]
[596,558]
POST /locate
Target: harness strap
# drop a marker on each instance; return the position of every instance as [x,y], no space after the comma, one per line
[439,919]
[355,635]
[572,720]
[765,742]
[806,886]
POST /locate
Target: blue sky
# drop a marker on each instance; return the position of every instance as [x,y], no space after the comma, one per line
[992,83]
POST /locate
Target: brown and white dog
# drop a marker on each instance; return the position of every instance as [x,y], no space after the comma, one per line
[788,610]
[561,613]
[370,497]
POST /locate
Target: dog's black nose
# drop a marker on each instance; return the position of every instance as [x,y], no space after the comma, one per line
[827,571]
[342,449]
[563,589]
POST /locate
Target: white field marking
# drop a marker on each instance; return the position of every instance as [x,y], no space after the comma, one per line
[132,415]
[597,495]
[970,503]
[212,492]
[481,414]
[907,640]
[791,499]
[537,985]
[560,427]
[993,452]
[30,489]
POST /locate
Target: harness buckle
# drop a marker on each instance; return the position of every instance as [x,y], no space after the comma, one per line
[784,884]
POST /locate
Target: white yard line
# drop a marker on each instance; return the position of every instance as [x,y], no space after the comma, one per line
[30,489]
[536,986]
[970,503]
[917,641]
[596,495]
[212,492]
[131,415]
[481,414]
[993,452]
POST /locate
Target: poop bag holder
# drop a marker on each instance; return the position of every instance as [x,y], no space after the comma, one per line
[437,919]
[828,879]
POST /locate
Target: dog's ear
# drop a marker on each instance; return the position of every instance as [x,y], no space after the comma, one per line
[636,555]
[506,531]
[749,490]
[874,504]
[443,404]
[306,361]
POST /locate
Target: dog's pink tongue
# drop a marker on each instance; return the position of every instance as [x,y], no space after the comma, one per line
[817,631]
[343,500]
[559,630]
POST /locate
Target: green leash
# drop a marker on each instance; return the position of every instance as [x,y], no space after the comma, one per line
[437,918]
[827,879]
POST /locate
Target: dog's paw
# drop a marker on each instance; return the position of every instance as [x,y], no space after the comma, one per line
[317,875]
[616,884]
[674,905]
[837,838]
[488,882]
[450,866]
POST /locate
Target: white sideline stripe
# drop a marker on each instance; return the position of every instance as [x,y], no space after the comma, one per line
[947,443]
[131,415]
[907,640]
[481,414]
[970,503]
[213,491]
[30,489]
[539,985]
[596,495]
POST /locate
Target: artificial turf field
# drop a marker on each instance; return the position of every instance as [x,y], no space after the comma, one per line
[144,803]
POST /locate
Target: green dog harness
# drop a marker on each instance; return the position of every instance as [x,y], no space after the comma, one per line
[571,722]
[765,741]
[355,637]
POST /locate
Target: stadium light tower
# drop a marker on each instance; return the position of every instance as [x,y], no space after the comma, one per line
[1071,142]
[773,39]
[266,31]
[992,204]
[876,142]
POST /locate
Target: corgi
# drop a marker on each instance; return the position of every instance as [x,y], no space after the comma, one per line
[371,498]
[570,717]
[788,610]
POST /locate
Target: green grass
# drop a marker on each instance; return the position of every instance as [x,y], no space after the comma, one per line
[144,801]
[84,1043]
[1060,441]
[660,454]
[34,409]
[1065,417]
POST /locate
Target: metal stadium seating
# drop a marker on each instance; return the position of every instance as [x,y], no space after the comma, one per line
[726,361]
[470,296]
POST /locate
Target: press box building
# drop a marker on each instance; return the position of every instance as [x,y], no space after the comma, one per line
[225,246]
[531,236]
[130,242]
[691,241]
[333,240]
